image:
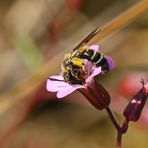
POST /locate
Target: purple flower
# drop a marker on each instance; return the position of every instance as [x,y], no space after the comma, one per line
[57,84]
[134,109]
[93,91]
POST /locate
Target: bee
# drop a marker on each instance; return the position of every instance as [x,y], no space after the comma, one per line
[74,71]
[97,58]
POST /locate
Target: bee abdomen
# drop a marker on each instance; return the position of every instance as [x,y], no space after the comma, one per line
[104,64]
[87,54]
[96,57]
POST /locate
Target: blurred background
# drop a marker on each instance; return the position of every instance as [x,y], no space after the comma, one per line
[34,35]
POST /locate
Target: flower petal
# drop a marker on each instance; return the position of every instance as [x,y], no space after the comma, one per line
[88,65]
[146,87]
[94,47]
[95,72]
[54,86]
[110,62]
[68,90]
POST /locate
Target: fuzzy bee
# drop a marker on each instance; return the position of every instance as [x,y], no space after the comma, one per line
[74,71]
[97,58]
[73,65]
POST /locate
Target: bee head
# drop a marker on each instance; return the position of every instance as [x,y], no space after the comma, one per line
[74,70]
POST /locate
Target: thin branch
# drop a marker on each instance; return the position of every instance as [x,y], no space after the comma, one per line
[120,133]
[119,139]
[120,130]
[28,85]
[119,21]
[113,118]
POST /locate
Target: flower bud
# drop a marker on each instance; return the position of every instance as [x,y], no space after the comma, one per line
[133,110]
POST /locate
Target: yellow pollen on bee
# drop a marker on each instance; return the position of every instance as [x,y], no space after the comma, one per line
[77,61]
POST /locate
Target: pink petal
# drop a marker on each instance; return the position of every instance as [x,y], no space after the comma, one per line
[68,90]
[88,65]
[94,47]
[146,87]
[110,62]
[55,86]
[95,72]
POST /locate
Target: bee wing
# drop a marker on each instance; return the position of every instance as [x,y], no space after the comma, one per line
[87,38]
